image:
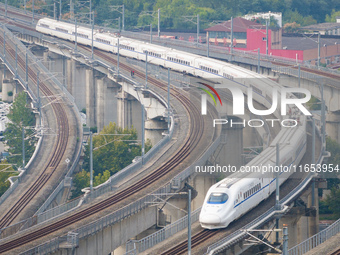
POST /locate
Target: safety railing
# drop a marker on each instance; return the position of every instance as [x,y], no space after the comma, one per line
[151,240]
[294,71]
[178,179]
[316,240]
[134,207]
[20,75]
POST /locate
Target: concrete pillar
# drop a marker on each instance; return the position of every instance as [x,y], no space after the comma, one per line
[313,218]
[121,108]
[46,59]
[129,111]
[333,125]
[231,152]
[70,74]
[90,98]
[201,183]
[154,129]
[100,101]
[7,86]
[176,207]
[111,102]
[1,75]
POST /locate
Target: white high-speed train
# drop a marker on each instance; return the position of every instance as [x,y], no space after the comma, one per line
[234,196]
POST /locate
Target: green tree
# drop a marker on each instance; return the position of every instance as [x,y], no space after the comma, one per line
[110,154]
[80,180]
[5,172]
[20,116]
[101,178]
[333,201]
[333,177]
[332,17]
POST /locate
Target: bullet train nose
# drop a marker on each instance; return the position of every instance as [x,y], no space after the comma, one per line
[210,219]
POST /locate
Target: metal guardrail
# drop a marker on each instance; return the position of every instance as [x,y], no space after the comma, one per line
[45,75]
[11,65]
[124,212]
[316,240]
[291,71]
[161,235]
[110,185]
[178,179]
[249,57]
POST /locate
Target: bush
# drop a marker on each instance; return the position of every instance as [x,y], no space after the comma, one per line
[10,93]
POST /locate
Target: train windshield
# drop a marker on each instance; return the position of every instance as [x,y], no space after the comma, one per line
[218,198]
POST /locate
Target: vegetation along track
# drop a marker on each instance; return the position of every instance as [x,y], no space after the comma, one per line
[59,147]
[196,127]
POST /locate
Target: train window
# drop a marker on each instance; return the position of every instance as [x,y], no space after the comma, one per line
[44,25]
[218,198]
[61,30]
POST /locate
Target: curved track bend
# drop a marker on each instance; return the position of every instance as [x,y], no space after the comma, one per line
[195,133]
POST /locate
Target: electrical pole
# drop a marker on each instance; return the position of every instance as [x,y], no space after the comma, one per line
[118,57]
[277,197]
[146,69]
[119,24]
[159,29]
[59,9]
[258,60]
[208,45]
[299,74]
[91,162]
[168,101]
[123,17]
[318,50]
[54,11]
[143,131]
[151,33]
[23,147]
[33,11]
[75,37]
[26,67]
[38,93]
[71,10]
[198,28]
[266,37]
[16,61]
[285,241]
[277,204]
[189,221]
[231,35]
[92,35]
[90,10]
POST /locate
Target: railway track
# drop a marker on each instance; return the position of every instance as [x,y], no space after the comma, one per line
[197,239]
[203,235]
[55,158]
[195,133]
[337,252]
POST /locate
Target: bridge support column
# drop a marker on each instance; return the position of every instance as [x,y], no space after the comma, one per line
[129,111]
[201,183]
[154,129]
[7,87]
[122,107]
[75,80]
[90,98]
[100,101]
[111,102]
[227,154]
[333,125]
